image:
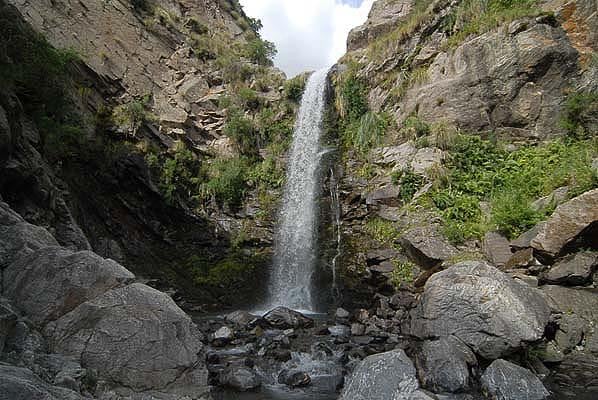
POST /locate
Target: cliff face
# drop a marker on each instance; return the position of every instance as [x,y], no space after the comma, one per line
[434,60]
[136,164]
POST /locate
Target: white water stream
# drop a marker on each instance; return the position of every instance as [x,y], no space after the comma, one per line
[296,240]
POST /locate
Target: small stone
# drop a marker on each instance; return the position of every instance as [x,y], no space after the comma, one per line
[521,258]
[294,379]
[357,329]
[223,336]
[341,313]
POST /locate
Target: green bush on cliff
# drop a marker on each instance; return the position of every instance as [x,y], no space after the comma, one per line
[226,182]
[241,130]
[294,88]
[261,52]
[580,116]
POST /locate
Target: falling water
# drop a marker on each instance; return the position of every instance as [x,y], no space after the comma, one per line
[296,239]
[335,206]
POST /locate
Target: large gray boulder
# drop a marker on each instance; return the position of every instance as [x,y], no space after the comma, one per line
[50,282]
[22,384]
[567,223]
[574,270]
[133,336]
[481,306]
[388,375]
[285,318]
[506,381]
[444,365]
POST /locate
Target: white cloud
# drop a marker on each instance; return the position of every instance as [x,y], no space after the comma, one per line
[309,34]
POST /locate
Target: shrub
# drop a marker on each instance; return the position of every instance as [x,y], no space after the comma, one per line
[294,88]
[261,52]
[409,183]
[249,98]
[242,130]
[180,175]
[226,181]
[414,127]
[133,114]
[404,273]
[353,104]
[382,231]
[580,116]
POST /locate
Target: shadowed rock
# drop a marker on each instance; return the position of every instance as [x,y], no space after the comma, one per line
[285,318]
[22,384]
[574,270]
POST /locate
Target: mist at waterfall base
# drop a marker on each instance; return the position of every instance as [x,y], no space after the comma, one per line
[295,254]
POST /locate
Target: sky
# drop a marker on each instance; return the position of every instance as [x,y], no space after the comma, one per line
[309,34]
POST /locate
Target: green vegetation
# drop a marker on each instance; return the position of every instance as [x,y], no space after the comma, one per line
[39,75]
[382,231]
[233,270]
[133,115]
[580,118]
[409,183]
[480,170]
[260,51]
[404,273]
[227,181]
[473,17]
[294,88]
[360,129]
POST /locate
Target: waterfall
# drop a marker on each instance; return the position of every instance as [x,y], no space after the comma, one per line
[295,253]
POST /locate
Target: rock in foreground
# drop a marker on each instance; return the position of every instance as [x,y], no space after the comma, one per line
[506,381]
[285,318]
[388,375]
[133,336]
[483,307]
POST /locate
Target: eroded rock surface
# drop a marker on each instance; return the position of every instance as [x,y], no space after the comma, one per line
[506,381]
[481,306]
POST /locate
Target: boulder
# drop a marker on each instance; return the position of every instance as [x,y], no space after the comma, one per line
[569,221]
[242,318]
[294,378]
[22,384]
[134,336]
[426,246]
[521,259]
[50,282]
[388,375]
[399,157]
[525,240]
[285,318]
[444,365]
[483,307]
[506,381]
[570,332]
[387,195]
[425,159]
[557,197]
[573,270]
[223,336]
[497,249]
[241,379]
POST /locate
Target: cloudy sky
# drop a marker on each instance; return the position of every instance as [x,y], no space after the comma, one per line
[309,34]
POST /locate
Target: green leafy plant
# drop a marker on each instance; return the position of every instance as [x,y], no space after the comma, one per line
[580,116]
[382,231]
[403,273]
[294,87]
[242,130]
[226,181]
[261,52]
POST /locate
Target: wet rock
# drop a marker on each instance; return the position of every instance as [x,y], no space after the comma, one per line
[497,249]
[506,381]
[573,270]
[357,329]
[134,336]
[569,221]
[483,307]
[22,384]
[242,318]
[241,379]
[444,365]
[285,318]
[50,282]
[8,321]
[294,379]
[223,336]
[427,247]
[341,314]
[339,331]
[383,376]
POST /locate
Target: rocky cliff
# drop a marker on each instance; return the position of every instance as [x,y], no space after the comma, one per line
[156,136]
